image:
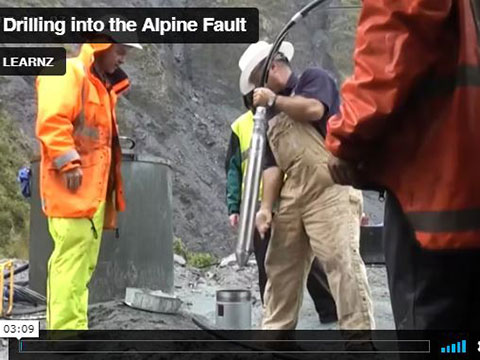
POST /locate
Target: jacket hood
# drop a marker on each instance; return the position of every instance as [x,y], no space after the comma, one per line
[118,80]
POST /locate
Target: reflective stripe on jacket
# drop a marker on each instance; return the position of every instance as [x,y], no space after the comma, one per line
[76,127]
[410,113]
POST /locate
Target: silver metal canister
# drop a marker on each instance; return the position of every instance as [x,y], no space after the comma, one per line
[234,310]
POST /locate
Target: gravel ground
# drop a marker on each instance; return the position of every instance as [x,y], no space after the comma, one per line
[197,289]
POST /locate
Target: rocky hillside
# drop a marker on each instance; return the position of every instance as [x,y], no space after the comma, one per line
[184,97]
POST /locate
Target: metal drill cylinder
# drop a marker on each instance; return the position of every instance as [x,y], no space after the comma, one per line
[252,183]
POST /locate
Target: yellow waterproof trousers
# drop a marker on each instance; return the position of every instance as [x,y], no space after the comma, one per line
[70,268]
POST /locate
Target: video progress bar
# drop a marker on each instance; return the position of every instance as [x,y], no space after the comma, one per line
[36,346]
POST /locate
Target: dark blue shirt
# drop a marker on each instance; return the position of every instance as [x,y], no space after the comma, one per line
[313,83]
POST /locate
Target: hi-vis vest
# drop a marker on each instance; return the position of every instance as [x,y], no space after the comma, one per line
[243,128]
[411,113]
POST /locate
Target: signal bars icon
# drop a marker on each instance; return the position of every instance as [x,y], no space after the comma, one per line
[456,348]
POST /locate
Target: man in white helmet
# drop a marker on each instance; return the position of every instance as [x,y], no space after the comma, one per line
[236,166]
[315,217]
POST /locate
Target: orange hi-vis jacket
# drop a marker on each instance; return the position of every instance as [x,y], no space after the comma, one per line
[76,126]
[411,113]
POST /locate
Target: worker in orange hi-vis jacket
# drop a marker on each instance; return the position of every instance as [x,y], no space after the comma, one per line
[409,124]
[80,180]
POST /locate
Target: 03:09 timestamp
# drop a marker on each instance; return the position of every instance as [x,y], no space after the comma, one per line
[19,328]
[12,328]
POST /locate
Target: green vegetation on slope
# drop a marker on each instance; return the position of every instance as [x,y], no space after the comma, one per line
[14,209]
[198,260]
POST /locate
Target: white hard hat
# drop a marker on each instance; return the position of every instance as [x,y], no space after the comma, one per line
[118,37]
[134,45]
[254,54]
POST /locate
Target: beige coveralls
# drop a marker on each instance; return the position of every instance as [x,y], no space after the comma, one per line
[315,218]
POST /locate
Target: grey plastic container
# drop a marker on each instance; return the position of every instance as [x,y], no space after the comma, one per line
[142,255]
[234,310]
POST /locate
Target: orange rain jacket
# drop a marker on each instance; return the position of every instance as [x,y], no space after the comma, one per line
[76,126]
[411,113]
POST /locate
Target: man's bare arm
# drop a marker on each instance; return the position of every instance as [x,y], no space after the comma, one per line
[272,184]
[300,108]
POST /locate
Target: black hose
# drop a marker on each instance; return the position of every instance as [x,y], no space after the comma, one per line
[274,49]
[218,334]
[281,35]
[18,270]
[25,295]
[28,310]
[31,296]
[309,7]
